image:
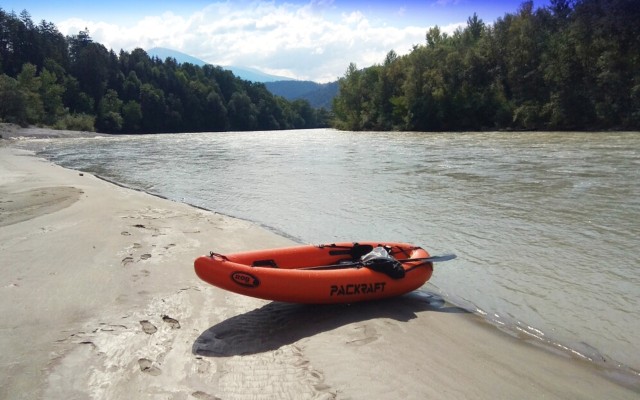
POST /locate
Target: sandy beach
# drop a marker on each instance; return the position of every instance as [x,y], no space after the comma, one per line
[100,301]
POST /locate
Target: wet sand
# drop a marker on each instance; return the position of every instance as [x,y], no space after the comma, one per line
[99,300]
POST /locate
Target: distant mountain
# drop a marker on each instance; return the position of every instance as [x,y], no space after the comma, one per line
[254,75]
[317,94]
[181,58]
[248,74]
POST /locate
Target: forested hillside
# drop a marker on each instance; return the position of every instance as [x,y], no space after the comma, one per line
[75,83]
[574,65]
[319,95]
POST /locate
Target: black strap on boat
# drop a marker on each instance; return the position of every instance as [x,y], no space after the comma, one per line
[265,263]
[356,251]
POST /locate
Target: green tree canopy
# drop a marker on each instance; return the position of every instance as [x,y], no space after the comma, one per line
[574,65]
[73,82]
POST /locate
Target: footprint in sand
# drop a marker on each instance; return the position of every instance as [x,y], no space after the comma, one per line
[147,367]
[370,335]
[145,256]
[202,366]
[127,260]
[173,323]
[143,274]
[200,395]
[148,327]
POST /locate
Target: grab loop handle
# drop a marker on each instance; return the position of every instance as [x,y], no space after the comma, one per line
[212,254]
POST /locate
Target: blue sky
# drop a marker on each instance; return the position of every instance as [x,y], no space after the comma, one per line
[312,39]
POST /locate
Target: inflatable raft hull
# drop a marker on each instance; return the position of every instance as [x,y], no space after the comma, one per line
[298,274]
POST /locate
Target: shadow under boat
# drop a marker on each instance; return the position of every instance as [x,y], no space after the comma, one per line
[277,324]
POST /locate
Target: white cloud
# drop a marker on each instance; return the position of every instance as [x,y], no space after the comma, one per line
[451,28]
[303,42]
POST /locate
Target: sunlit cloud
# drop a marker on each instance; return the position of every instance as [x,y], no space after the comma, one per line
[310,42]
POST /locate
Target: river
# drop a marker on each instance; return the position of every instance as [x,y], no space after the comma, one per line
[546,226]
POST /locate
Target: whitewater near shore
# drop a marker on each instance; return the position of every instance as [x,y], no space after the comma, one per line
[99,300]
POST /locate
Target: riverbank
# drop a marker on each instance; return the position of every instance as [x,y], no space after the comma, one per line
[100,301]
[16,132]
